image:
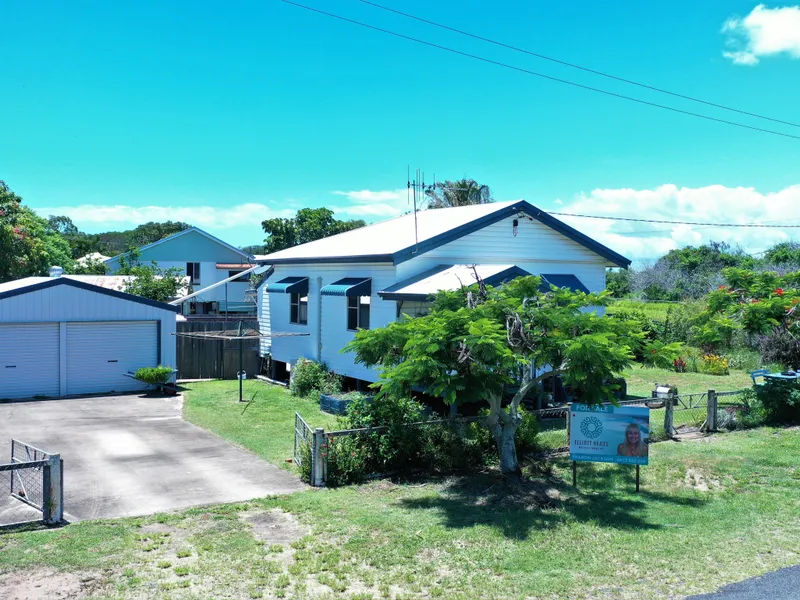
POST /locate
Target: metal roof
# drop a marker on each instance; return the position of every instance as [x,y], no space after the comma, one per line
[289,285]
[450,277]
[349,286]
[394,241]
[562,281]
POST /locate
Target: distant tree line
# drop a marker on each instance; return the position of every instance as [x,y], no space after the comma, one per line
[694,271]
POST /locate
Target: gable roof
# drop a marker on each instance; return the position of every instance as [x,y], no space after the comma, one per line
[393,241]
[242,253]
[35,284]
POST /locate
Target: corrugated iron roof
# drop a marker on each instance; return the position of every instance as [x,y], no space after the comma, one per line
[450,277]
[399,239]
[235,266]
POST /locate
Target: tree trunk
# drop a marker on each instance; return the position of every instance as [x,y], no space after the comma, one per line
[504,434]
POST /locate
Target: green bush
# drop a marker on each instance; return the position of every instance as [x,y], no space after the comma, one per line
[309,377]
[777,402]
[711,364]
[154,375]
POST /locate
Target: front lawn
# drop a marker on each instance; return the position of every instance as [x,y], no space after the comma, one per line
[642,381]
[710,512]
[264,424]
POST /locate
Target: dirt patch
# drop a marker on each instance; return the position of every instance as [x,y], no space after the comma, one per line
[695,479]
[40,584]
[275,526]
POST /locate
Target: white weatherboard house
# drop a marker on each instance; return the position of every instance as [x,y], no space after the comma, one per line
[207,261]
[369,277]
[61,336]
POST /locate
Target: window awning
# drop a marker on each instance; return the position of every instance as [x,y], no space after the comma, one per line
[289,285]
[562,281]
[349,286]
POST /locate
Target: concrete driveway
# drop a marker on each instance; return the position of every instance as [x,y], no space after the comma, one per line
[135,455]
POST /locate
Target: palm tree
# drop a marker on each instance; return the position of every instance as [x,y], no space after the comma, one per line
[462,192]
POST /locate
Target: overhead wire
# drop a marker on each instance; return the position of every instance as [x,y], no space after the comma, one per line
[541,75]
[704,223]
[577,66]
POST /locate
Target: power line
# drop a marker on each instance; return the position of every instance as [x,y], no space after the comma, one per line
[758,225]
[542,75]
[576,66]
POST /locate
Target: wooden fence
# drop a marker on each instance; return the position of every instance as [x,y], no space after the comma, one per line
[215,359]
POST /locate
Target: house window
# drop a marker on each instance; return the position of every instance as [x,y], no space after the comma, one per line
[298,309]
[357,312]
[193,272]
[244,278]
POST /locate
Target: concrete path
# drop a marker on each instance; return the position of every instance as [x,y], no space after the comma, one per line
[783,585]
[134,455]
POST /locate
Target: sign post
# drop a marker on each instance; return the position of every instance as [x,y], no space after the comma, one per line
[607,433]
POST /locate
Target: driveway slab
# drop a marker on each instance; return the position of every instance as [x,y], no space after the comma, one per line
[135,455]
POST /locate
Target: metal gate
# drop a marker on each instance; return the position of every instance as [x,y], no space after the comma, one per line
[31,487]
[303,436]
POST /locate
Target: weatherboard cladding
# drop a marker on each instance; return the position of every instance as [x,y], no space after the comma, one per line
[393,241]
[191,245]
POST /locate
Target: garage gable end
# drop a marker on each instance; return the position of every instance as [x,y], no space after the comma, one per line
[56,281]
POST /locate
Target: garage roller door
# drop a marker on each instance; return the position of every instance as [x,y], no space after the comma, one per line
[99,354]
[29,360]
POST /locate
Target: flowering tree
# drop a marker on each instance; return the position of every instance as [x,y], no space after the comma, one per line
[28,244]
[478,342]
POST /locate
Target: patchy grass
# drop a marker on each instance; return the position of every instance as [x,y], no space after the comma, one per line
[710,512]
[264,425]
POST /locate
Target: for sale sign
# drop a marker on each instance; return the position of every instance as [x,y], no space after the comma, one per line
[607,433]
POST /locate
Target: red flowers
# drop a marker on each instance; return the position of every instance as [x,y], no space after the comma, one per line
[779,292]
[722,287]
[653,351]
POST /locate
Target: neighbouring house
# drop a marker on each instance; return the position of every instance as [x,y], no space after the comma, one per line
[92,257]
[320,293]
[206,261]
[62,336]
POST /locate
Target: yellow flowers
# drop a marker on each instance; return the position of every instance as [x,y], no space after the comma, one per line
[714,365]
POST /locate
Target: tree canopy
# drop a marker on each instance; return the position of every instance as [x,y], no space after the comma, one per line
[29,245]
[461,192]
[476,343]
[308,225]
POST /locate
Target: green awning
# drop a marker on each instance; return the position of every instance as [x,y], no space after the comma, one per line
[349,286]
[289,285]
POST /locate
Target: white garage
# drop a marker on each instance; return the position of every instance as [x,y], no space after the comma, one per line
[61,337]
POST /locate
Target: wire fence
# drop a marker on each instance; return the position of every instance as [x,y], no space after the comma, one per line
[25,485]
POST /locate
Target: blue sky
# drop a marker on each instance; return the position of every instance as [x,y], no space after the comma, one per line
[223,114]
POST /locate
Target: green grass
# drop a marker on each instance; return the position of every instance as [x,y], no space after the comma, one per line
[710,512]
[641,381]
[263,425]
[652,310]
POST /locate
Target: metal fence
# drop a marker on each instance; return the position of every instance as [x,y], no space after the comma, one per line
[31,486]
[302,438]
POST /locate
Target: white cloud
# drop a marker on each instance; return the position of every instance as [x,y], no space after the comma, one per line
[710,204]
[369,203]
[764,32]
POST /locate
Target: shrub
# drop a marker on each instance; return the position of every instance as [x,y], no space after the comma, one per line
[154,375]
[309,376]
[679,364]
[714,365]
[780,347]
[777,402]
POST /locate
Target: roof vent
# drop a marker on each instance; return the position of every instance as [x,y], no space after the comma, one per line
[56,271]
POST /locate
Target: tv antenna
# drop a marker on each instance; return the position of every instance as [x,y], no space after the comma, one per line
[416,194]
